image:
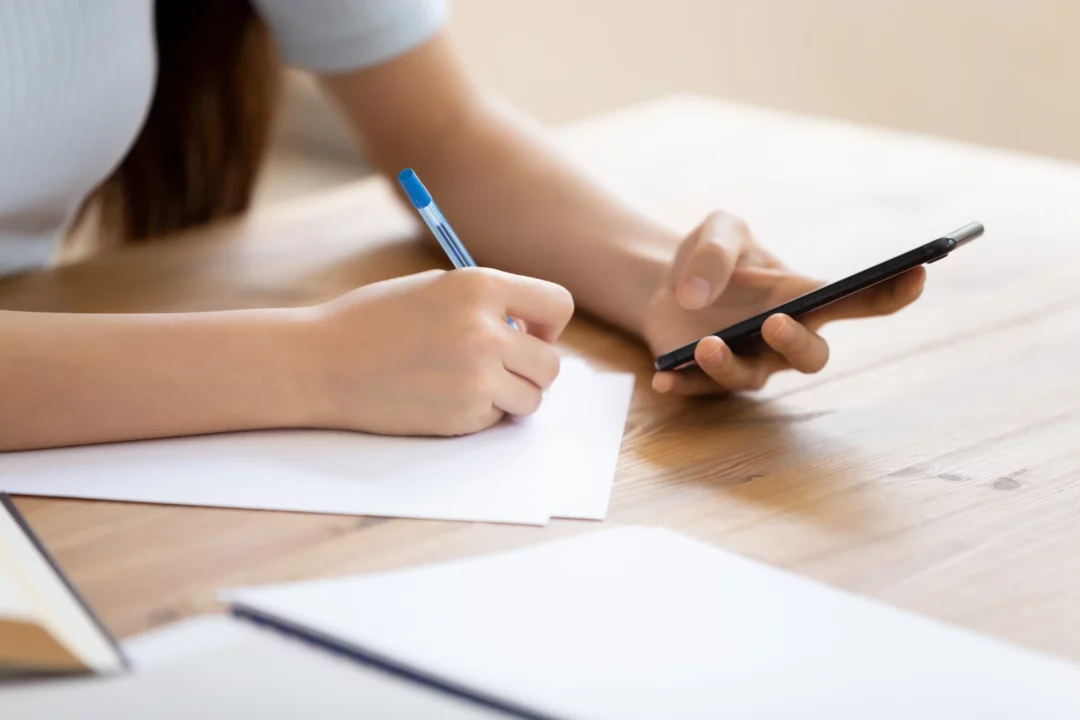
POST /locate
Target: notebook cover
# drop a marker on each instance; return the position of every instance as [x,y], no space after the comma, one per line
[8,505]
[360,655]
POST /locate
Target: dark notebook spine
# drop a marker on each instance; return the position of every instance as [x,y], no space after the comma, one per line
[9,506]
[385,664]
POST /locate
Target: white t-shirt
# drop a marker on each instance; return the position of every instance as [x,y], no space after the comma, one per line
[77,78]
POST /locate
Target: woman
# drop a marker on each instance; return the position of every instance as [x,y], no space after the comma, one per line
[157,117]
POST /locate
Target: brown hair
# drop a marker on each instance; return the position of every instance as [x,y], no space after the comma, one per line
[200,150]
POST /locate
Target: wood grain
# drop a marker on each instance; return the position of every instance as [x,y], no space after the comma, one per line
[933,465]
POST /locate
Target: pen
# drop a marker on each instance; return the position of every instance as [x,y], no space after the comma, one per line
[440,226]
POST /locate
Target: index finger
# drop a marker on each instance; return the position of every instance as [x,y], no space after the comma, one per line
[705,260]
[885,298]
[545,308]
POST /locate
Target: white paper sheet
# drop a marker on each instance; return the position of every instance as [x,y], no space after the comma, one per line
[184,639]
[218,668]
[521,471]
[586,443]
[644,623]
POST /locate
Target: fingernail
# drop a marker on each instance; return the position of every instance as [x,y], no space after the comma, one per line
[662,383]
[786,332]
[694,293]
[715,356]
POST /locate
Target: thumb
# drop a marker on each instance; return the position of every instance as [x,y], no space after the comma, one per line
[706,260]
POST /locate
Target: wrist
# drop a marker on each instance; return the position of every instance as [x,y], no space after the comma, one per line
[636,269]
[293,342]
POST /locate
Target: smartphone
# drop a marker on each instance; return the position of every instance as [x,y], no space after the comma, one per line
[744,338]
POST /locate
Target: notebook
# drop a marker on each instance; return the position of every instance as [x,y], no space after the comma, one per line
[45,625]
[559,462]
[645,623]
[214,667]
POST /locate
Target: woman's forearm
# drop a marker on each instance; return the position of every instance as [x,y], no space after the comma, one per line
[70,379]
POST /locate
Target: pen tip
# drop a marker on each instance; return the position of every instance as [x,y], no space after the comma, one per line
[418,194]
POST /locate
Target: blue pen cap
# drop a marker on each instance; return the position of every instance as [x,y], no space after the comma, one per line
[415,189]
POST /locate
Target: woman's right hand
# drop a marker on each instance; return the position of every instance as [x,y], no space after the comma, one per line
[433,354]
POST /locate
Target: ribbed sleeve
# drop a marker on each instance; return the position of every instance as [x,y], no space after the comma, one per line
[76,80]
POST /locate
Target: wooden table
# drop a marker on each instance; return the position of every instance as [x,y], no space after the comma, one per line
[933,465]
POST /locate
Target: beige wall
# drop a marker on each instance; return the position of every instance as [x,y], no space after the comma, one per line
[996,72]
[999,72]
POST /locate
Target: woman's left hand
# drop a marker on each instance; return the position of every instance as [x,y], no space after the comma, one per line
[721,276]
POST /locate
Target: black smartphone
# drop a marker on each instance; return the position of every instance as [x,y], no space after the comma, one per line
[744,338]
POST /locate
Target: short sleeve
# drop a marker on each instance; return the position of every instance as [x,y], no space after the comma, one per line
[340,35]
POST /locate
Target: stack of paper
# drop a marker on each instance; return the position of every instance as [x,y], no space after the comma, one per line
[644,623]
[558,463]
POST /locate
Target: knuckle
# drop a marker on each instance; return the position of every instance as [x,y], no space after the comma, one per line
[474,285]
[480,388]
[710,253]
[433,274]
[480,340]
[739,226]
[717,218]
[721,220]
